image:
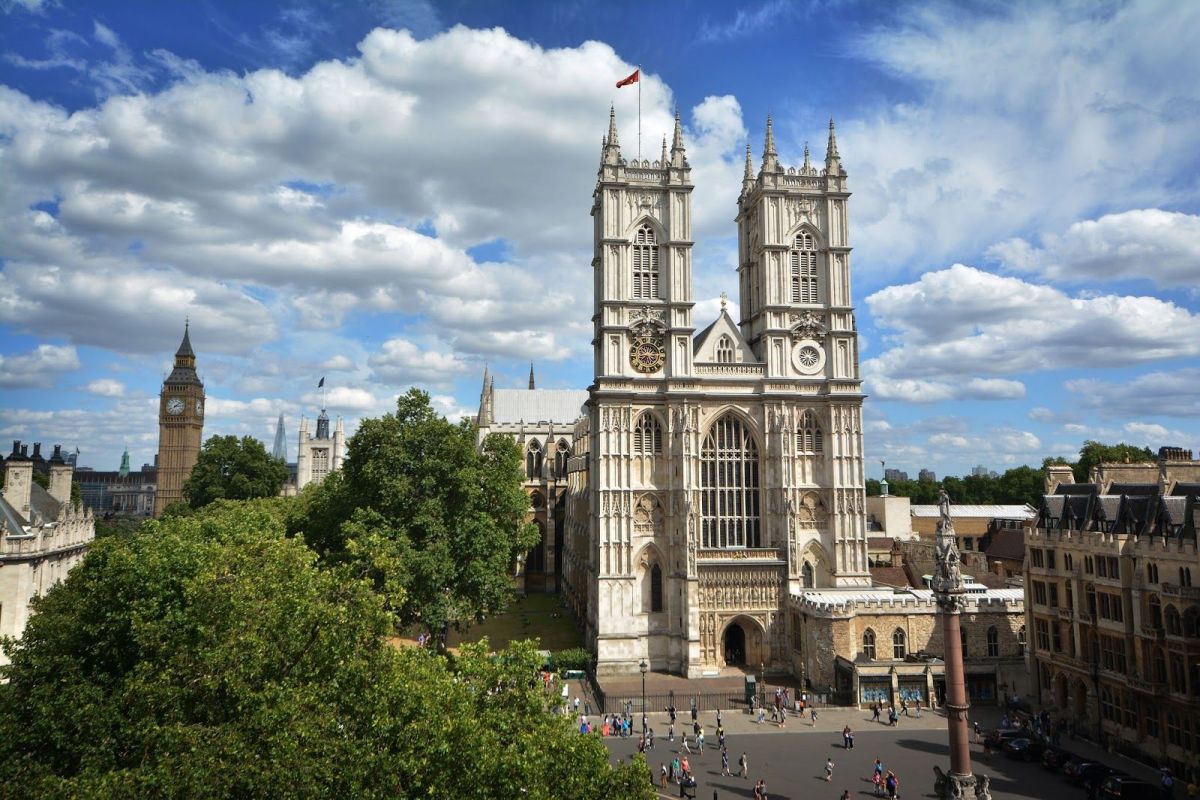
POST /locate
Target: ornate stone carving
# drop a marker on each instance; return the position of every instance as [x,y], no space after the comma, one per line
[802,209]
[807,325]
[648,515]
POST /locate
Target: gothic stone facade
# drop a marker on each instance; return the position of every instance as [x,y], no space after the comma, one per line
[715,473]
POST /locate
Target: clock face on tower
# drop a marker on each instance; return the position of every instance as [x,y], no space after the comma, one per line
[646,356]
[175,406]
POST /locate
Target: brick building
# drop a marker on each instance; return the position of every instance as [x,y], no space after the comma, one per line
[1112,610]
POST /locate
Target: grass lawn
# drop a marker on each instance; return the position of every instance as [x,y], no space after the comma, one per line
[533,616]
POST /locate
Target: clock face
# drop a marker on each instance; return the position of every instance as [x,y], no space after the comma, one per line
[175,406]
[199,408]
[646,356]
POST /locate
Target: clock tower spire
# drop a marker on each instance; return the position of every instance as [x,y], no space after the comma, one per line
[180,425]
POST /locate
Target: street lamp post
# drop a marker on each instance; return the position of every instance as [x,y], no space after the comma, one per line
[948,589]
[643,666]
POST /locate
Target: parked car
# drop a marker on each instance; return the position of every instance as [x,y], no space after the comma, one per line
[1091,776]
[1072,766]
[1054,758]
[1024,749]
[1123,787]
[994,740]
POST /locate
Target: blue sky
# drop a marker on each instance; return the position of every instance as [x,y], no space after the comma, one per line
[393,194]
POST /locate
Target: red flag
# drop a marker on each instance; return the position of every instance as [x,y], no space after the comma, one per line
[633,78]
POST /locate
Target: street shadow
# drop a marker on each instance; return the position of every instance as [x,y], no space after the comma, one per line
[740,790]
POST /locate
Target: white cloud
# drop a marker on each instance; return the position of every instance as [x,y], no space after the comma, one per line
[990,325]
[402,362]
[349,399]
[747,21]
[1024,117]
[1161,246]
[1169,394]
[338,363]
[107,387]
[39,367]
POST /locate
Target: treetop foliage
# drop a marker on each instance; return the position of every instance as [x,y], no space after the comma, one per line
[229,468]
[209,656]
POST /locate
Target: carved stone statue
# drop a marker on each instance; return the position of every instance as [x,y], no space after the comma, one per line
[944,509]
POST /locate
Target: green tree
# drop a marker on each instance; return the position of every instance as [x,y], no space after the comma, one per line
[210,656]
[1022,484]
[435,522]
[229,468]
[1093,453]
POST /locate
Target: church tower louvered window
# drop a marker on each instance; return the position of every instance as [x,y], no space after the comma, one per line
[645,264]
[730,507]
[804,269]
[809,439]
[647,436]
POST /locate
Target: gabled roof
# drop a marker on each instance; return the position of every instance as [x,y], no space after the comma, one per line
[1186,490]
[895,577]
[723,324]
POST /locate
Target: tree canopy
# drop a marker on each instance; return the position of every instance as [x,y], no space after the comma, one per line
[209,656]
[435,522]
[229,468]
[1023,484]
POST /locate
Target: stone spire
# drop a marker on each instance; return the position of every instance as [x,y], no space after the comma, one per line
[531,382]
[807,163]
[678,155]
[612,144]
[123,471]
[663,161]
[185,361]
[770,162]
[748,176]
[833,162]
[185,347]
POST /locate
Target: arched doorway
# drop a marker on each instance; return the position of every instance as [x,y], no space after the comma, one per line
[735,645]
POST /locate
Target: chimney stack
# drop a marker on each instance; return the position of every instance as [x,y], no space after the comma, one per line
[60,477]
[18,480]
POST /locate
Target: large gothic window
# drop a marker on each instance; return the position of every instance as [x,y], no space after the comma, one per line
[647,436]
[809,439]
[804,269]
[729,481]
[533,460]
[725,351]
[645,264]
[560,459]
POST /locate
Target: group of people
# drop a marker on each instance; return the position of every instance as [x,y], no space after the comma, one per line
[892,716]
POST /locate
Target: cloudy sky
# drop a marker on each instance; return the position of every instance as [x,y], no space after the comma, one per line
[395,193]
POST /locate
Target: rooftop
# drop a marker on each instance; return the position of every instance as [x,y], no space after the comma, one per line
[560,406]
[958,511]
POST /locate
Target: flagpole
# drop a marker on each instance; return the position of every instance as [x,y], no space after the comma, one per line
[639,112]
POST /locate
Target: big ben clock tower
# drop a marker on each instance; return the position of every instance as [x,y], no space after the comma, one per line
[180,426]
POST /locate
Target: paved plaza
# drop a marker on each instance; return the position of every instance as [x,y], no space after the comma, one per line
[792,759]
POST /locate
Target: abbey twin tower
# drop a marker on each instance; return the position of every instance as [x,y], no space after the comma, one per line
[715,472]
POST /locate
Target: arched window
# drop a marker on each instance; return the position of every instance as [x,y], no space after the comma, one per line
[1021,641]
[536,500]
[1191,623]
[1174,623]
[535,561]
[809,439]
[647,436]
[645,264]
[1156,615]
[804,269]
[993,642]
[725,351]
[729,482]
[563,452]
[869,644]
[533,460]
[898,645]
[656,589]
[806,576]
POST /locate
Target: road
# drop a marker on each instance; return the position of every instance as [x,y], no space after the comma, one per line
[792,760]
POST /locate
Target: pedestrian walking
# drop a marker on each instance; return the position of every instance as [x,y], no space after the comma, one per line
[760,790]
[650,738]
[686,746]
[846,795]
[918,704]
[718,718]
[877,782]
[685,766]
[813,714]
[977,733]
[761,715]
[577,705]
[892,717]
[721,736]
[892,783]
[829,765]
[700,742]
[724,762]
[875,708]
[675,769]
[662,775]
[743,766]
[904,707]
